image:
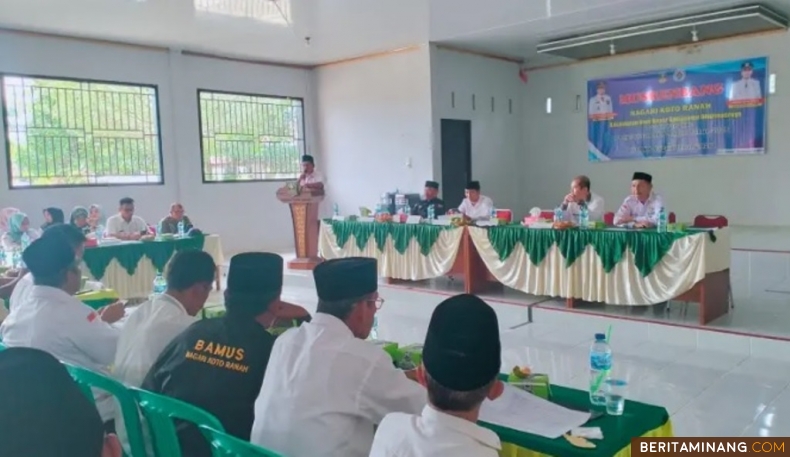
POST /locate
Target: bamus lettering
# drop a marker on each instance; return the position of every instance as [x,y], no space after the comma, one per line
[220,350]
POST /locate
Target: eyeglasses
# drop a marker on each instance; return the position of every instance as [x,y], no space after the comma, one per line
[378,303]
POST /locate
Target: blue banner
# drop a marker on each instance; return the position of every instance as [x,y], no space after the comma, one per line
[705,110]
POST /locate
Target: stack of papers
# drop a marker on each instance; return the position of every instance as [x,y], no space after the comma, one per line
[522,411]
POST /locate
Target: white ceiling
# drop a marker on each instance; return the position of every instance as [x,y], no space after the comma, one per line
[275,30]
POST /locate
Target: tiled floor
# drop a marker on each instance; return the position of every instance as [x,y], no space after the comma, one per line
[708,381]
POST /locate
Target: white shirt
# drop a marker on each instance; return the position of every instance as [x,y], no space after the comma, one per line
[480,210]
[600,104]
[595,208]
[312,178]
[640,212]
[433,434]
[19,295]
[746,89]
[144,336]
[53,321]
[117,225]
[324,391]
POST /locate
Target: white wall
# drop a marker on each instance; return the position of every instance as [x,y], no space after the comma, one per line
[374,117]
[248,216]
[497,152]
[748,190]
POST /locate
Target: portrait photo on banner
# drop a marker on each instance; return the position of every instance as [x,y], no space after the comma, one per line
[714,109]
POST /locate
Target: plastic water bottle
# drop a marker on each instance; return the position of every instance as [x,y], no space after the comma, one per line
[662,220]
[16,258]
[99,231]
[335,210]
[407,209]
[431,213]
[181,228]
[600,367]
[160,284]
[374,331]
[584,217]
[558,214]
[159,231]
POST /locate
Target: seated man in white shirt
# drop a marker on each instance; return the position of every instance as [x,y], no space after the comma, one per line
[151,327]
[581,196]
[310,178]
[460,364]
[24,284]
[642,208]
[52,320]
[476,206]
[326,388]
[125,225]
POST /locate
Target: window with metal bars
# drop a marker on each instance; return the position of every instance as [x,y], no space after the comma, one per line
[250,137]
[66,133]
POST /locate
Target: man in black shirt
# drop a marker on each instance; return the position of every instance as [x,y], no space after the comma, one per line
[218,364]
[431,192]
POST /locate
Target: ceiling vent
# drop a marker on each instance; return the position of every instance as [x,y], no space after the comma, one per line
[669,32]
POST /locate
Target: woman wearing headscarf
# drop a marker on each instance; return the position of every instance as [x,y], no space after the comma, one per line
[19,232]
[95,216]
[5,215]
[79,219]
[52,216]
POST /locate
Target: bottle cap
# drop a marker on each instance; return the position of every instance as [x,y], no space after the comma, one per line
[600,337]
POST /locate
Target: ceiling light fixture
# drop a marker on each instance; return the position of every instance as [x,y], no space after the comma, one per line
[694,35]
[612,50]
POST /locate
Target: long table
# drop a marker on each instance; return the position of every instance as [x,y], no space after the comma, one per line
[613,266]
[639,420]
[130,267]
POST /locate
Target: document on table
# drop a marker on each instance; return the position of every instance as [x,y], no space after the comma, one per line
[525,412]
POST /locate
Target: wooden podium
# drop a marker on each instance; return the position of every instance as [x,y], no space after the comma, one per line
[304,215]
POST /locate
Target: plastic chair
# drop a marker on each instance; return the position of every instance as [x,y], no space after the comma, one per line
[87,379]
[160,411]
[710,221]
[608,218]
[224,445]
[705,221]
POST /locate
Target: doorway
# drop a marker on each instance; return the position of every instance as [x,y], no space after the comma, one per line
[456,160]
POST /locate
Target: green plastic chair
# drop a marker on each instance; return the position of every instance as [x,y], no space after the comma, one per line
[87,379]
[160,411]
[224,445]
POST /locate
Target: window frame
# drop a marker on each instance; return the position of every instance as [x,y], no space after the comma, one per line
[7,136]
[244,94]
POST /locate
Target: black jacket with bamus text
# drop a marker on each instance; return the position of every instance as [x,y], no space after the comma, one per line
[218,365]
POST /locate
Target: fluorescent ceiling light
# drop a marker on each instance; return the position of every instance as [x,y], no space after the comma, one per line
[276,12]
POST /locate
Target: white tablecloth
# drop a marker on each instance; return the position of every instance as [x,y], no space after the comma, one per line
[139,284]
[411,265]
[688,261]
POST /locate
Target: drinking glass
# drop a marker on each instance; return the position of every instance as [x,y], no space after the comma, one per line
[615,396]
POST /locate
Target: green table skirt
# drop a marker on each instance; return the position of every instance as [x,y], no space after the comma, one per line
[97,259]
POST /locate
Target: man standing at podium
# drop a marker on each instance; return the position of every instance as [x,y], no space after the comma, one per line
[310,178]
